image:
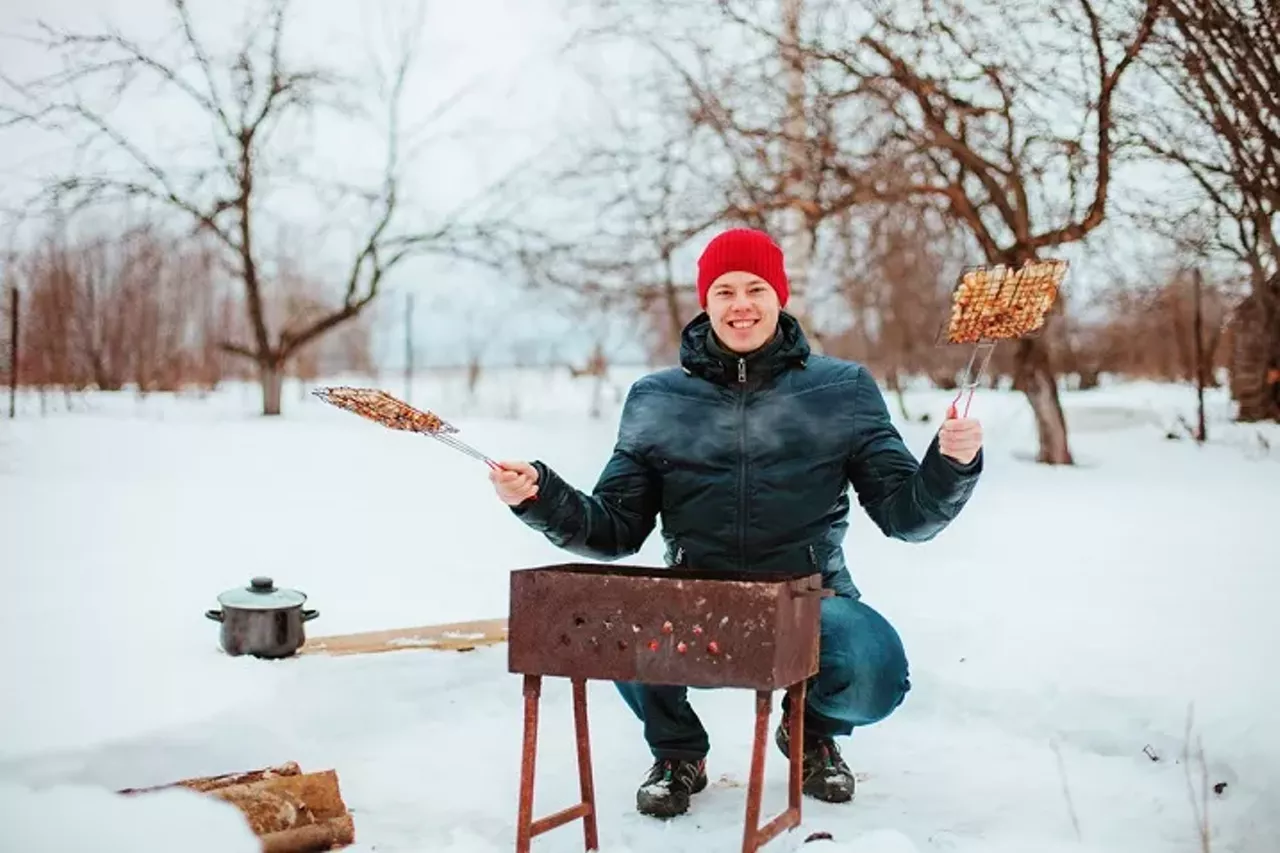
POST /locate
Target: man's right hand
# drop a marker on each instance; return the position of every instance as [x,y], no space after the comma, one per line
[515,482]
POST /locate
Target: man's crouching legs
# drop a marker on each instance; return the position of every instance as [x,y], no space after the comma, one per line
[862,678]
[679,745]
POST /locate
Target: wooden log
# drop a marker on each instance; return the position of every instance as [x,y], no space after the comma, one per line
[286,802]
[326,835]
[452,636]
[210,783]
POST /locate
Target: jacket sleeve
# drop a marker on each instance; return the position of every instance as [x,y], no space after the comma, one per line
[908,500]
[619,514]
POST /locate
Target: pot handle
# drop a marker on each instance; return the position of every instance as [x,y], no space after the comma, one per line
[308,615]
[215,615]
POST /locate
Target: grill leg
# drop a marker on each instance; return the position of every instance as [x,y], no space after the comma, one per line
[796,761]
[586,784]
[755,836]
[750,829]
[528,758]
[526,827]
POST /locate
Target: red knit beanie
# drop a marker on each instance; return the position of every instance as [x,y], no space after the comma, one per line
[742,250]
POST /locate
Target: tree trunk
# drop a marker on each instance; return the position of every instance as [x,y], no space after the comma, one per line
[271,376]
[675,326]
[1034,377]
[597,397]
[943,381]
[1271,342]
[895,385]
[672,297]
[1253,385]
[796,239]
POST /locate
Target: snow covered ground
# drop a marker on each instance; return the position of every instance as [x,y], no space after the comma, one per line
[1058,634]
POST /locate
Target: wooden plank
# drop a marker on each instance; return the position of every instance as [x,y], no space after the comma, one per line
[451,636]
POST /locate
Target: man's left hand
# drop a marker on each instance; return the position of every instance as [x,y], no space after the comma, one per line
[960,439]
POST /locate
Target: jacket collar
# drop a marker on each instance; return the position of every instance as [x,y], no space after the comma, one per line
[702,354]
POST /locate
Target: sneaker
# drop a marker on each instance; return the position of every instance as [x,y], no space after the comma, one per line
[665,791]
[824,774]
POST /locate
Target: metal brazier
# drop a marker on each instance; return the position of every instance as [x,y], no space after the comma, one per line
[262,620]
[665,626]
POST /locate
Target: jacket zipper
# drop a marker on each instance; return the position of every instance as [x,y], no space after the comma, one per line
[679,555]
[742,469]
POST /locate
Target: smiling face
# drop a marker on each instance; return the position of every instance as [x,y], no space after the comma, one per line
[744,311]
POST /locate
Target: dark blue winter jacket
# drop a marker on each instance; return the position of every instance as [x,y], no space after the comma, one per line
[749,462]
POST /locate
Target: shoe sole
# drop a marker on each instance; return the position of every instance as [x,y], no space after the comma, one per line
[828,798]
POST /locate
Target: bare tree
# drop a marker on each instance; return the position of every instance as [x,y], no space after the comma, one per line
[109,308]
[797,222]
[298,300]
[599,321]
[1214,112]
[896,280]
[965,106]
[1147,329]
[714,137]
[250,98]
[978,100]
[654,186]
[648,205]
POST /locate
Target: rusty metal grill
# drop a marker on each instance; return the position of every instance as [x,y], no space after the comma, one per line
[662,626]
[695,628]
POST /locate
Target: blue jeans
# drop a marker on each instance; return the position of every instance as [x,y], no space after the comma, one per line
[862,678]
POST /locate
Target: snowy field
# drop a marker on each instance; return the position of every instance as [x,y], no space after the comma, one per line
[1058,633]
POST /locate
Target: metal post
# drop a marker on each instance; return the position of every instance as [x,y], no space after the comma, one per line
[1198,351]
[13,351]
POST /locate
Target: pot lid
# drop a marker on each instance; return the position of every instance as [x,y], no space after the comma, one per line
[261,594]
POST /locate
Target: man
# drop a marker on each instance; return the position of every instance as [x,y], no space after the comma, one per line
[747,452]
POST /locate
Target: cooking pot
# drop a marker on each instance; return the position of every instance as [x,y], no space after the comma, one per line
[262,620]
